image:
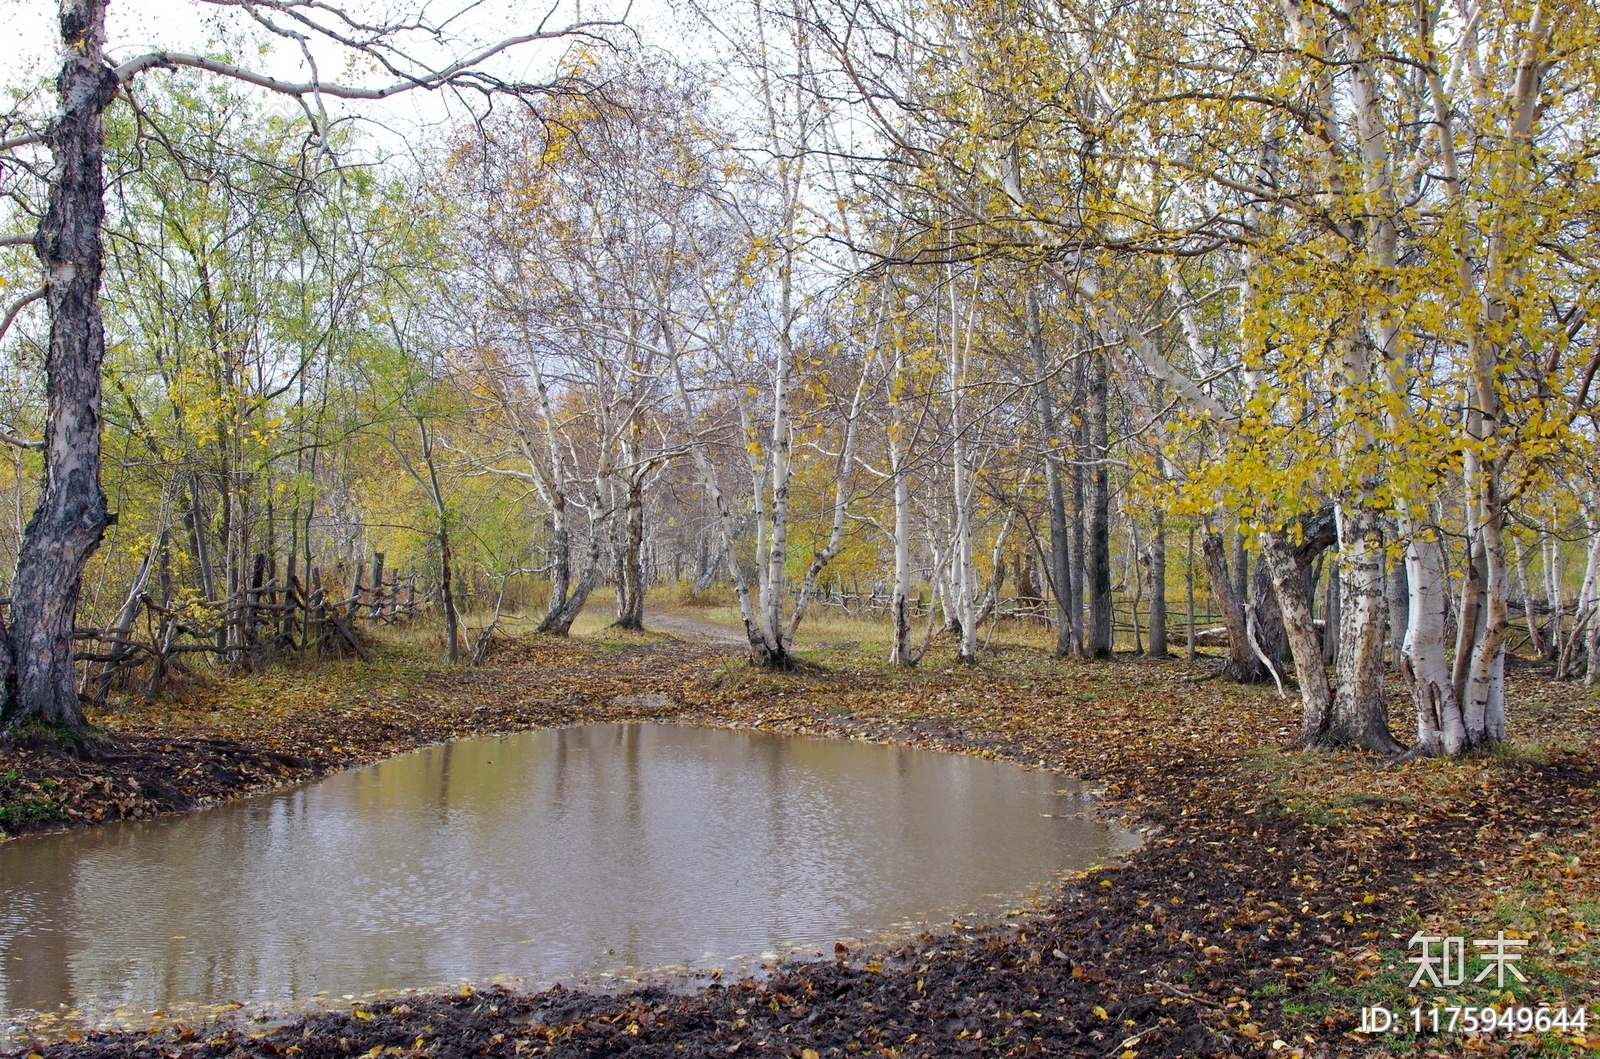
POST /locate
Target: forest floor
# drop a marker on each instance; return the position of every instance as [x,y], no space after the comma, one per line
[1274,895]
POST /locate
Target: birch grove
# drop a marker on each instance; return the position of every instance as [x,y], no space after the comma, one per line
[1024,314]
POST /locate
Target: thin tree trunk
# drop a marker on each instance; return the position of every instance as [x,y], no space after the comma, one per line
[125,617]
[764,649]
[1192,652]
[1588,600]
[1078,414]
[1101,643]
[1240,566]
[1137,571]
[1158,587]
[561,622]
[841,501]
[1483,708]
[775,585]
[1399,598]
[560,553]
[1469,613]
[1044,409]
[452,628]
[901,652]
[1534,639]
[196,524]
[1552,594]
[1330,615]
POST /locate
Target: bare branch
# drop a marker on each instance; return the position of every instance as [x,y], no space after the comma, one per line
[17,306]
[11,437]
[461,73]
[26,139]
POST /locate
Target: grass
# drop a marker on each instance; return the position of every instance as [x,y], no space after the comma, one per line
[1159,716]
[23,802]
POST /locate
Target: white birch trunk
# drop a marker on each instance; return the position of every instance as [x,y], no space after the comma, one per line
[1360,715]
[1588,601]
[762,647]
[961,569]
[1424,658]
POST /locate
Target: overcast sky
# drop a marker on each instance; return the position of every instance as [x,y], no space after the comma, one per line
[137,26]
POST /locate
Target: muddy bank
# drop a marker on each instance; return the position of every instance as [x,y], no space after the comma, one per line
[255,732]
[1272,899]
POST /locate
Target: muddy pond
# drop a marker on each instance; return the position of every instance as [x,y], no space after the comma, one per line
[586,854]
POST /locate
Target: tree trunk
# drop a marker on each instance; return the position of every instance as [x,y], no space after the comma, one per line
[1588,600]
[1191,652]
[560,563]
[1270,633]
[1330,615]
[1101,643]
[1535,640]
[1242,665]
[1360,714]
[195,520]
[376,609]
[1158,587]
[1552,593]
[1289,584]
[560,623]
[1240,566]
[1080,392]
[1044,408]
[1137,571]
[1423,658]
[132,604]
[1483,708]
[776,582]
[901,652]
[1469,614]
[71,516]
[630,589]
[841,503]
[1399,608]
[765,649]
[452,629]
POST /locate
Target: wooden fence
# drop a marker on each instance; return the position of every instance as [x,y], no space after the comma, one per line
[270,617]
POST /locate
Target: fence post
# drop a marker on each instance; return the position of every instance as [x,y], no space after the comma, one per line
[376,610]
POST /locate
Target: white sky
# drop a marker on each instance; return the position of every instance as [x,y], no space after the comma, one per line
[138,26]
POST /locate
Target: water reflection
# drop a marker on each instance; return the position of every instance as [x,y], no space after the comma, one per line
[544,854]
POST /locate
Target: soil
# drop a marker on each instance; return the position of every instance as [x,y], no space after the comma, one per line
[1273,897]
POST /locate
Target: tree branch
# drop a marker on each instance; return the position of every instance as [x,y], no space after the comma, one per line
[17,306]
[432,79]
[26,139]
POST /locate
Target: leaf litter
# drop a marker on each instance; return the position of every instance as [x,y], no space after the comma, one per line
[1273,896]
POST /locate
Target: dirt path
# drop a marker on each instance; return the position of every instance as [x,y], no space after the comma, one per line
[693,630]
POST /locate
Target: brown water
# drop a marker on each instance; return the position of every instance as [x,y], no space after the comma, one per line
[546,855]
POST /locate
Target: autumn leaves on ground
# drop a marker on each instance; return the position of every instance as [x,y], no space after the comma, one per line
[1273,897]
